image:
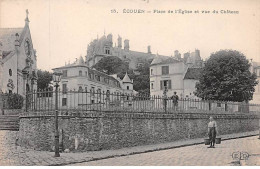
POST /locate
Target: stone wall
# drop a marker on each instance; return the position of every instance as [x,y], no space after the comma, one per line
[98,131]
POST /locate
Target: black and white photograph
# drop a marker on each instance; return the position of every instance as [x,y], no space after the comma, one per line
[129,83]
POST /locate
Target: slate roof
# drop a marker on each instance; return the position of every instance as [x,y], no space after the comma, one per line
[193,73]
[160,59]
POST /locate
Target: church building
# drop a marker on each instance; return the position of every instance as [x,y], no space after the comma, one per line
[18,61]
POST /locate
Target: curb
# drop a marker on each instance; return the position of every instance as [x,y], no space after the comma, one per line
[148,151]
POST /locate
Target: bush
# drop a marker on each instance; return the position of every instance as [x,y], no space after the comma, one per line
[13,101]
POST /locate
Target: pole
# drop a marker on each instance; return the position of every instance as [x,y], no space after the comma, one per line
[57,153]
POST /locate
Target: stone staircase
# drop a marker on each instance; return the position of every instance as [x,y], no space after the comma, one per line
[9,120]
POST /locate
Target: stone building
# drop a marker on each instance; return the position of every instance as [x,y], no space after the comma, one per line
[18,61]
[255,68]
[80,77]
[177,74]
[103,47]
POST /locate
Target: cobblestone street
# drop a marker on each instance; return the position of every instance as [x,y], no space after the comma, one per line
[11,154]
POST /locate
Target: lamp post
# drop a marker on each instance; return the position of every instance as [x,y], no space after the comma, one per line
[56,79]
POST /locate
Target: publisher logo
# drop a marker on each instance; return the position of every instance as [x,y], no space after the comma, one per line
[240,155]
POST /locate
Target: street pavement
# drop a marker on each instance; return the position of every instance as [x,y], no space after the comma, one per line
[184,152]
[197,155]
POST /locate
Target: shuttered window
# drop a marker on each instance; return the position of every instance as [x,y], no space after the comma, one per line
[164,83]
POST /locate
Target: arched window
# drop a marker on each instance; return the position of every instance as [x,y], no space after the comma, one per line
[80,73]
[80,89]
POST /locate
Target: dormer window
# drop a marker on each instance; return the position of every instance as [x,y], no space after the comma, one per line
[107,50]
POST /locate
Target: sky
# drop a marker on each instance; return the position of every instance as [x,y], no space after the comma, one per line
[62,29]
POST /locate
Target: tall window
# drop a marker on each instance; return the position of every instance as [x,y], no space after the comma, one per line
[64,73]
[166,83]
[106,80]
[97,78]
[92,91]
[127,87]
[64,101]
[86,73]
[151,85]
[99,93]
[151,71]
[64,88]
[107,50]
[165,70]
[80,73]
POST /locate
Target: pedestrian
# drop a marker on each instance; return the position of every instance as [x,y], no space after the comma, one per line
[175,99]
[212,131]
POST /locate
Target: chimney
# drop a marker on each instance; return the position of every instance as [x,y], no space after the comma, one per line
[119,42]
[149,49]
[126,45]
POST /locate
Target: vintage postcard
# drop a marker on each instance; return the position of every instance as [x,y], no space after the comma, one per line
[129,83]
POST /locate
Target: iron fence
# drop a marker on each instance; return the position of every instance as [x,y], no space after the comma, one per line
[84,101]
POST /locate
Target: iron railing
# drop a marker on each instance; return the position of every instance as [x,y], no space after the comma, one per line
[84,101]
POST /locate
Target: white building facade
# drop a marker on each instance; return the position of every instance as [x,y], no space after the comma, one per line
[175,75]
[79,77]
[255,68]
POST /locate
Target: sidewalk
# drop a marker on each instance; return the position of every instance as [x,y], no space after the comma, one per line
[21,156]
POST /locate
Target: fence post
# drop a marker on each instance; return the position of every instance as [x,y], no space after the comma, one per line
[26,101]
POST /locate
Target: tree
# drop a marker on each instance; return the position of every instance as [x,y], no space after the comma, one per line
[44,78]
[111,65]
[226,77]
[114,65]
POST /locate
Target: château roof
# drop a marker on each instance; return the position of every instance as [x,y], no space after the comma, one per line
[193,73]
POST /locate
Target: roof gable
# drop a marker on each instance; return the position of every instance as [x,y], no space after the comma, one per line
[160,59]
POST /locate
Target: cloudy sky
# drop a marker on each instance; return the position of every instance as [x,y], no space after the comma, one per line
[62,29]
